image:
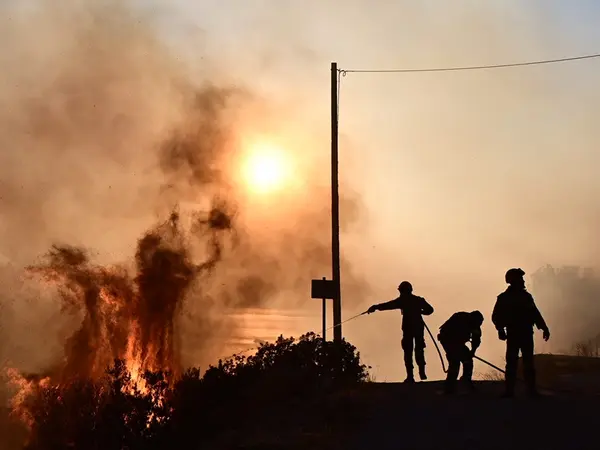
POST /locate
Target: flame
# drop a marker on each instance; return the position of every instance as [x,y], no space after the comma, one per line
[125,317]
[25,390]
[134,363]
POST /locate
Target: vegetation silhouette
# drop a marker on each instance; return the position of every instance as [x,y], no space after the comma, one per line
[240,400]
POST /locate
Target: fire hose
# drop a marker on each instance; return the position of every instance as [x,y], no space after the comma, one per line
[434,343]
[474,356]
[432,339]
[436,347]
[442,358]
[493,366]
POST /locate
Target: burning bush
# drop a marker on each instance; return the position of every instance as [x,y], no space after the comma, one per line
[121,383]
[131,317]
[282,380]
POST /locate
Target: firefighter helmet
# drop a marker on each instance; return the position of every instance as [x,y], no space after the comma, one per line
[405,287]
[514,275]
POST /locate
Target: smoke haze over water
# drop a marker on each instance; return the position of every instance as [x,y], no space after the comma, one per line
[112,113]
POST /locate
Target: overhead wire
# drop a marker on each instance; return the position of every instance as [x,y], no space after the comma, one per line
[342,73]
[478,67]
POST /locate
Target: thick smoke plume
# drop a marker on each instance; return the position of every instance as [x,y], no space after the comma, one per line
[105,131]
[131,317]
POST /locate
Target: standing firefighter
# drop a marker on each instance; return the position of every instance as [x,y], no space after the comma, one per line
[514,316]
[460,328]
[413,308]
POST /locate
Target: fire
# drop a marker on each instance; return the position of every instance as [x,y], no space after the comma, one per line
[126,317]
[133,363]
[25,389]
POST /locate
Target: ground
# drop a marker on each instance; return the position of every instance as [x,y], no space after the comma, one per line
[419,417]
[381,416]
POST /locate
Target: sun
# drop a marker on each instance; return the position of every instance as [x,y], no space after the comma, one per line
[265,168]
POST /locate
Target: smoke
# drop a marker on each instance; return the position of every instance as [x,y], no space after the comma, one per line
[106,132]
[465,174]
[571,294]
[132,317]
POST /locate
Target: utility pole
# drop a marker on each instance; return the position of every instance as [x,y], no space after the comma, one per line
[335,209]
[324,313]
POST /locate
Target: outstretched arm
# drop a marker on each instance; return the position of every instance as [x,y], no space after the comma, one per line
[392,304]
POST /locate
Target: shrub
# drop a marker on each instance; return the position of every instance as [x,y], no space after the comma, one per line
[281,382]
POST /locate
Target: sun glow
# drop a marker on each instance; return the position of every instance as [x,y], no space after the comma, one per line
[265,168]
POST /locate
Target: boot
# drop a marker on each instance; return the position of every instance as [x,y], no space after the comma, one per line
[410,378]
[422,374]
[509,388]
[470,385]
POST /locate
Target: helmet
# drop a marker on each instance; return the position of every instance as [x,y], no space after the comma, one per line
[513,275]
[405,287]
[477,316]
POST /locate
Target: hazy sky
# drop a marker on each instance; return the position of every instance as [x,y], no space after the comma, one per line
[462,174]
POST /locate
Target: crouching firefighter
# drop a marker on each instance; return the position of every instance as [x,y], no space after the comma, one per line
[413,308]
[459,329]
[515,313]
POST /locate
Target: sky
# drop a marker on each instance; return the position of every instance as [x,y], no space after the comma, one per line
[461,175]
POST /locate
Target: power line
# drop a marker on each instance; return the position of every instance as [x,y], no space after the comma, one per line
[449,69]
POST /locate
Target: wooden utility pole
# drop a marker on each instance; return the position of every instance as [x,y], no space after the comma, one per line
[335,209]
[324,313]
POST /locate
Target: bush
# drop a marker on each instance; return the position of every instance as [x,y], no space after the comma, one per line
[286,382]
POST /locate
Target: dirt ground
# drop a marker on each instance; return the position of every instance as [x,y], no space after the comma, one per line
[381,416]
[398,416]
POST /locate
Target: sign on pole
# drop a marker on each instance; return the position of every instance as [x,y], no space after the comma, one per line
[323,289]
